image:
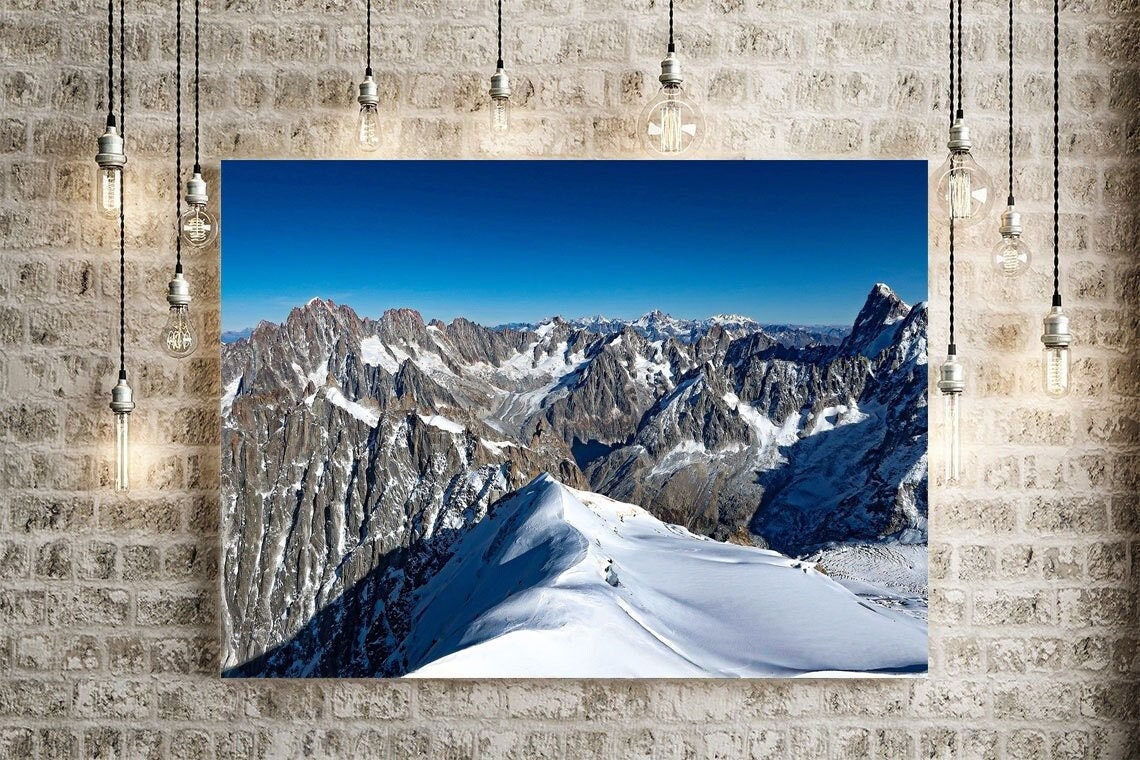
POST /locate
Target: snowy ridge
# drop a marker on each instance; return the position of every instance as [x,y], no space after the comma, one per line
[558,582]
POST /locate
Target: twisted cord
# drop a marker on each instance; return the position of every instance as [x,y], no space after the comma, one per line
[110,61]
[122,276]
[671,48]
[1010,102]
[368,43]
[122,190]
[178,133]
[961,35]
[197,160]
[500,65]
[122,69]
[952,342]
[1056,154]
[951,63]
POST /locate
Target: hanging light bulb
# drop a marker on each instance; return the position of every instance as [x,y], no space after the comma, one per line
[1056,358]
[962,189]
[951,383]
[500,101]
[671,123]
[368,124]
[1012,255]
[196,225]
[109,176]
[178,338]
[122,404]
[500,91]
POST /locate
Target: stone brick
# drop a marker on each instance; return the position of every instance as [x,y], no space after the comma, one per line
[351,700]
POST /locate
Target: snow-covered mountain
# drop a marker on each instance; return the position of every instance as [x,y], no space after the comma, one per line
[357,453]
[656,325]
[565,583]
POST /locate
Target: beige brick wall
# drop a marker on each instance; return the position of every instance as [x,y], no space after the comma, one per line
[108,629]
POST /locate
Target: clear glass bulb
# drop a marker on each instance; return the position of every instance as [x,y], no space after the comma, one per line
[178,338]
[122,451]
[952,426]
[500,114]
[962,189]
[1055,370]
[1011,256]
[109,190]
[198,227]
[368,128]
[671,123]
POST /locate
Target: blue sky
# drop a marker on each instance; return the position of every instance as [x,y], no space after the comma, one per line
[505,241]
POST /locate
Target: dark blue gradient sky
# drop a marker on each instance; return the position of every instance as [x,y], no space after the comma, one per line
[504,241]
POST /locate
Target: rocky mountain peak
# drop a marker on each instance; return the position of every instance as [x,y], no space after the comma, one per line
[875,325]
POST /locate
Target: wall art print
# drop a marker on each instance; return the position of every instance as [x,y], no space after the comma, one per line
[622,419]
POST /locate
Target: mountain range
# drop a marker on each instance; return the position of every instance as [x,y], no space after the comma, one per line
[358,454]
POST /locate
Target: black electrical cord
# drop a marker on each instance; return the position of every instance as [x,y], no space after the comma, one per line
[671,48]
[951,109]
[961,35]
[122,214]
[197,159]
[500,63]
[178,134]
[110,63]
[951,348]
[368,42]
[1056,154]
[1010,200]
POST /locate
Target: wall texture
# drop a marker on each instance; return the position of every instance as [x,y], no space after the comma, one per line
[108,627]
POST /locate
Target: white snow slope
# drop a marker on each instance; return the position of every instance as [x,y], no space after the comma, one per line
[565,583]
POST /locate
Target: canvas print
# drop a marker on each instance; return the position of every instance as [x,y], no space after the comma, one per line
[618,419]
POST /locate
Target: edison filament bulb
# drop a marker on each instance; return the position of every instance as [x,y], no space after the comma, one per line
[178,338]
[500,93]
[671,123]
[122,404]
[951,383]
[1012,255]
[109,175]
[197,226]
[1056,360]
[368,123]
[961,188]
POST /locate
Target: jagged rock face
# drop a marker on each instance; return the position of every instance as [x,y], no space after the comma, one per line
[356,451]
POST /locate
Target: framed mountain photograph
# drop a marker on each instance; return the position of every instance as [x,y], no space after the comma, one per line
[582,419]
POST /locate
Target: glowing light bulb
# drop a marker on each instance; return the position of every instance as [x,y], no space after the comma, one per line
[671,123]
[109,177]
[500,93]
[1056,359]
[1011,256]
[952,382]
[122,404]
[110,184]
[178,338]
[368,123]
[961,189]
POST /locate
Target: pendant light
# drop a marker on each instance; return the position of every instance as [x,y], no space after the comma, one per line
[122,397]
[671,123]
[1055,336]
[197,226]
[951,375]
[368,124]
[111,157]
[500,91]
[962,190]
[1012,254]
[178,338]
